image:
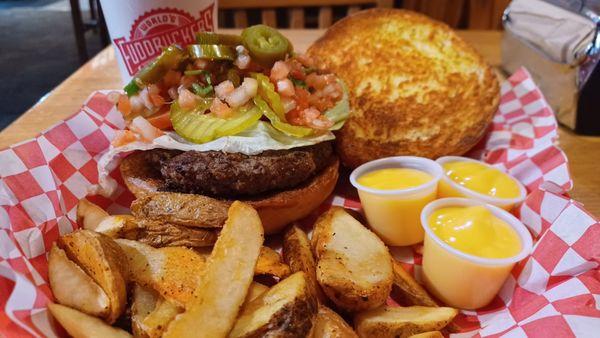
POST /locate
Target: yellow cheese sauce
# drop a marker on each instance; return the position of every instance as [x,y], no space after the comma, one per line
[394,178]
[482,179]
[475,231]
[396,217]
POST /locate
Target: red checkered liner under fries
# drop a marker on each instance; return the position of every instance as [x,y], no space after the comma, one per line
[553,293]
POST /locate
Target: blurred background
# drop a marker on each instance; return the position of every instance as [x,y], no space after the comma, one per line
[42,42]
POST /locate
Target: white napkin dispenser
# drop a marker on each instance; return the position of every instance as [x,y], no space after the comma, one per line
[558,42]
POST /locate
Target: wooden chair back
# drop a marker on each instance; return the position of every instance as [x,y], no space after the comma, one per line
[470,14]
[295,10]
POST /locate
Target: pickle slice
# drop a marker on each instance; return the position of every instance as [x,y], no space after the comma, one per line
[212,52]
[210,38]
[266,90]
[197,127]
[277,123]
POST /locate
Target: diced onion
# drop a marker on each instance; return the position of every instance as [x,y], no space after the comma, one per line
[223,89]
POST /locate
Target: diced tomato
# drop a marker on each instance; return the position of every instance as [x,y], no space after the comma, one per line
[161,120]
[220,108]
[302,96]
[305,60]
[321,123]
[157,100]
[319,82]
[123,137]
[187,80]
[309,114]
[172,78]
[124,105]
[293,117]
[296,69]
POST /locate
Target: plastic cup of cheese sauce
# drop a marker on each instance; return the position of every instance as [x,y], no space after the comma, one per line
[464,280]
[394,213]
[493,176]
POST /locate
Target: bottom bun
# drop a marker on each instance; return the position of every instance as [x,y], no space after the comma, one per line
[276,210]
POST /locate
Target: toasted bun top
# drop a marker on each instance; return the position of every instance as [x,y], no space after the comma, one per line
[416,88]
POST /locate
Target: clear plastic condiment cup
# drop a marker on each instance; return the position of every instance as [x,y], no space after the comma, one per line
[449,188]
[461,280]
[395,214]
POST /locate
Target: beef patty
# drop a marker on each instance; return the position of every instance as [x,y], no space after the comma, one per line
[220,174]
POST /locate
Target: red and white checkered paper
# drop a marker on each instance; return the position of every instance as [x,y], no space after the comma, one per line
[553,293]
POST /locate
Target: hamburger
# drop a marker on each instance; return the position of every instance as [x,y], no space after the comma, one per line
[230,118]
[415,87]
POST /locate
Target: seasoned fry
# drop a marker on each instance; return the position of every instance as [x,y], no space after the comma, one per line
[286,310]
[225,282]
[354,267]
[271,263]
[329,324]
[80,325]
[89,215]
[400,322]
[174,272]
[183,209]
[102,259]
[298,255]
[72,287]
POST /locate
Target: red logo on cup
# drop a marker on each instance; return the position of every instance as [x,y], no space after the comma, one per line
[159,28]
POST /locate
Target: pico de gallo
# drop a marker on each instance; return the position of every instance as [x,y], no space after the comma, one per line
[225,84]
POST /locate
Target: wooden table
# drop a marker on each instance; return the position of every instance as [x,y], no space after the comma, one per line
[102,73]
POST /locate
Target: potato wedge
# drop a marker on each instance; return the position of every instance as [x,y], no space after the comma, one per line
[150,313]
[224,285]
[102,259]
[354,267]
[254,291]
[286,310]
[159,234]
[411,292]
[80,325]
[402,321]
[115,225]
[270,263]
[183,209]
[144,301]
[174,272]
[329,324]
[158,320]
[72,287]
[429,334]
[89,215]
[298,255]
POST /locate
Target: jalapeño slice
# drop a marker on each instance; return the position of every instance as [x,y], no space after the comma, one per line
[265,44]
